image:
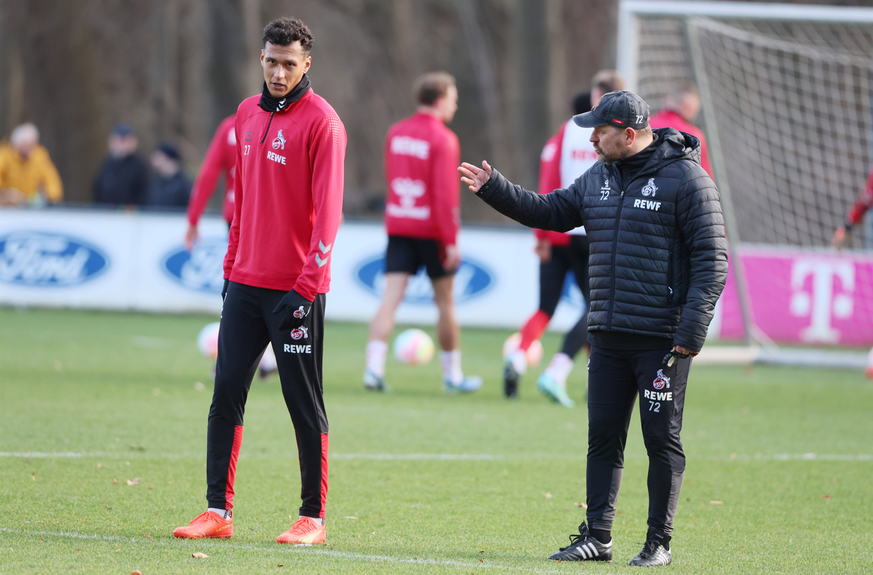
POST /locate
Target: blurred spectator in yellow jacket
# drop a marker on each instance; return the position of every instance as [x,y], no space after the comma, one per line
[27,174]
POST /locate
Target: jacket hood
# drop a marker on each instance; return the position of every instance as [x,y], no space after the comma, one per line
[673,145]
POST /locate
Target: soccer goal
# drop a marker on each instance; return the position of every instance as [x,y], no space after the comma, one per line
[786,107]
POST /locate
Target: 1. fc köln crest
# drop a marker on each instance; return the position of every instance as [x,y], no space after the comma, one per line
[661,380]
[279,142]
[299,333]
[648,190]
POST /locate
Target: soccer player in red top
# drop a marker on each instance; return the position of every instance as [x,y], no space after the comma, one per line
[220,158]
[567,155]
[288,190]
[856,213]
[422,221]
[681,107]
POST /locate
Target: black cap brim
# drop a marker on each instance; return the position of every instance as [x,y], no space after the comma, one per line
[588,120]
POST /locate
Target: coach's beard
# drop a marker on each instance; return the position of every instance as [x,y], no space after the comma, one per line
[605,159]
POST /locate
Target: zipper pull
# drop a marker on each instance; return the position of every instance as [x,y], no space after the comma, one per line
[622,194]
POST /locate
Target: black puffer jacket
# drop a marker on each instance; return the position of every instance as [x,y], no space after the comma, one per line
[658,254]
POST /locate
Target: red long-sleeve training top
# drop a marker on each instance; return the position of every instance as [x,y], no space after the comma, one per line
[566,156]
[220,157]
[550,180]
[289,194]
[863,203]
[421,168]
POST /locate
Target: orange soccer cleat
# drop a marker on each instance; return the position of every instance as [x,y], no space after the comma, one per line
[305,531]
[208,524]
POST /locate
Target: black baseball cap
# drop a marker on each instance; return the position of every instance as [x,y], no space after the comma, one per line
[622,109]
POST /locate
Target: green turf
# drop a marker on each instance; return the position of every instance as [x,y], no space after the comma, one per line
[787,452]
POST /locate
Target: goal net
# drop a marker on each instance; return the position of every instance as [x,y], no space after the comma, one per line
[786,107]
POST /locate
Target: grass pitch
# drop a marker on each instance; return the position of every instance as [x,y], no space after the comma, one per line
[103,430]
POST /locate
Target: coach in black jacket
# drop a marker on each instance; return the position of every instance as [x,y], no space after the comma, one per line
[658,263]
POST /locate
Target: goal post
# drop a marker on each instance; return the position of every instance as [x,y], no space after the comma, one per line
[786,93]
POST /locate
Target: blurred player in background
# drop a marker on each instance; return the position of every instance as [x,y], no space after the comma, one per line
[422,218]
[288,191]
[27,174]
[856,214]
[681,108]
[220,160]
[566,156]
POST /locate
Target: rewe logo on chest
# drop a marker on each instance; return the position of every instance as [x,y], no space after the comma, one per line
[276,158]
[647,204]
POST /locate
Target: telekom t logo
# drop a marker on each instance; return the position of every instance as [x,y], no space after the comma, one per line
[827,298]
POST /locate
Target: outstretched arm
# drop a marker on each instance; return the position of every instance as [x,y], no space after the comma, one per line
[560,211]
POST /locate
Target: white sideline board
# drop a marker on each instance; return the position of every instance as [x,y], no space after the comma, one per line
[137,261]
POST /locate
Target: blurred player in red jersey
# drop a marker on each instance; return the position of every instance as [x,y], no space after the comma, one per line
[288,193]
[566,156]
[220,158]
[856,213]
[422,220]
[681,107]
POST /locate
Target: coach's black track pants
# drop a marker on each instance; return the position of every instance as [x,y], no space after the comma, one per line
[615,379]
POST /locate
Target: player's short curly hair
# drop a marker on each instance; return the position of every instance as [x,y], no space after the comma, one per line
[285,31]
[429,87]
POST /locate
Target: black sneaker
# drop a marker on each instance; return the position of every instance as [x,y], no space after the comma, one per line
[510,381]
[655,552]
[584,547]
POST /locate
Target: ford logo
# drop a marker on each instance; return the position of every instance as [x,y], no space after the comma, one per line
[201,269]
[472,279]
[46,259]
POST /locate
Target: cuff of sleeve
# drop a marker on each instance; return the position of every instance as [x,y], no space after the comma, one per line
[486,187]
[688,346]
[305,293]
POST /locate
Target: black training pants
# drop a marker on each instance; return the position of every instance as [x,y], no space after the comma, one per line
[565,258]
[615,379]
[247,325]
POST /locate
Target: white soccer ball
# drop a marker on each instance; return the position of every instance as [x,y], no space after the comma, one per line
[534,353]
[413,347]
[268,360]
[207,341]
